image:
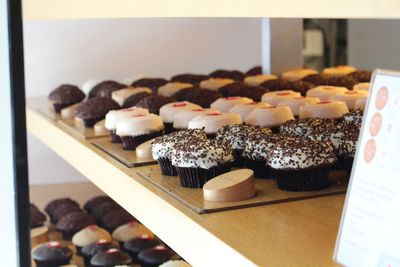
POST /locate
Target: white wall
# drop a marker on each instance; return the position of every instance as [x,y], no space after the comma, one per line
[73,51]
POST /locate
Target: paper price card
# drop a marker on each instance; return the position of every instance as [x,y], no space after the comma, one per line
[369,233]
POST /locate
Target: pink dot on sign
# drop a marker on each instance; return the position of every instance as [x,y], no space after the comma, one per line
[54,244]
[138,115]
[92,227]
[382,97]
[324,102]
[376,124]
[369,150]
[102,241]
[282,93]
[160,248]
[213,114]
[180,104]
[232,98]
[198,109]
[112,251]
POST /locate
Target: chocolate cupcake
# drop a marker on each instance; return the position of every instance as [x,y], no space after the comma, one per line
[65,95]
[242,90]
[95,109]
[152,83]
[71,223]
[54,204]
[88,235]
[63,210]
[95,201]
[343,81]
[301,86]
[104,208]
[105,89]
[51,254]
[110,257]
[154,102]
[254,71]
[162,147]
[99,246]
[276,84]
[132,100]
[168,112]
[138,244]
[362,76]
[36,217]
[194,79]
[153,257]
[196,161]
[228,74]
[121,95]
[130,230]
[355,116]
[305,127]
[316,79]
[199,96]
[116,218]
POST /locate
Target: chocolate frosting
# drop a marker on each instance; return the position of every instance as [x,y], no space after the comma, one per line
[276,85]
[243,90]
[254,71]
[189,78]
[93,202]
[154,102]
[228,74]
[316,79]
[152,83]
[66,94]
[74,221]
[199,96]
[37,218]
[96,108]
[63,210]
[52,205]
[111,257]
[134,99]
[105,88]
[116,218]
[156,256]
[53,251]
[96,247]
[344,81]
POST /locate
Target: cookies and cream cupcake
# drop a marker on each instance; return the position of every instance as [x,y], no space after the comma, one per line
[355,116]
[213,121]
[121,95]
[172,87]
[225,103]
[271,117]
[138,129]
[90,234]
[244,109]
[274,98]
[297,74]
[340,70]
[350,97]
[65,95]
[305,127]
[324,110]
[184,116]
[295,103]
[364,86]
[114,115]
[325,92]
[256,80]
[168,112]
[215,83]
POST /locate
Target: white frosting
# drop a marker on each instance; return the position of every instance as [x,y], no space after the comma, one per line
[256,80]
[350,97]
[270,116]
[360,103]
[338,70]
[362,86]
[90,234]
[171,88]
[244,109]
[168,111]
[215,83]
[139,125]
[175,263]
[88,85]
[295,103]
[182,117]
[274,98]
[130,230]
[325,92]
[225,103]
[212,122]
[324,110]
[114,115]
[297,74]
[120,96]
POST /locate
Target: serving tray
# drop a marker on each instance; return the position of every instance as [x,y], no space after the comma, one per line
[79,130]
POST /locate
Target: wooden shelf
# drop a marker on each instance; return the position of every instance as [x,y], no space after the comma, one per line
[88,9]
[300,233]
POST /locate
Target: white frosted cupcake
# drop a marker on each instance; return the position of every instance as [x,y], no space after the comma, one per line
[325,92]
[120,96]
[168,112]
[274,98]
[297,74]
[324,110]
[225,103]
[340,70]
[244,109]
[213,121]
[350,97]
[256,80]
[182,117]
[138,129]
[215,83]
[171,88]
[114,115]
[130,230]
[88,85]
[361,86]
[295,103]
[360,103]
[90,234]
[271,117]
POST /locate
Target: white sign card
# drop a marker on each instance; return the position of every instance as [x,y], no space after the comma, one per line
[369,233]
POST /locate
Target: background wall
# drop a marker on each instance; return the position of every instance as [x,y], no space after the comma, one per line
[74,51]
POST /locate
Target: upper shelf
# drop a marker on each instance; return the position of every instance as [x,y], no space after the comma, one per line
[89,9]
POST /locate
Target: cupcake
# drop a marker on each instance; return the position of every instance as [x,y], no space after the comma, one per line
[196,162]
[110,257]
[301,165]
[324,92]
[54,204]
[183,117]
[199,96]
[341,81]
[296,102]
[51,254]
[115,115]
[244,109]
[275,85]
[236,136]
[362,76]
[215,83]
[360,103]
[88,85]
[102,209]
[154,102]
[242,90]
[362,86]
[115,219]
[171,88]
[297,74]
[155,256]
[162,147]
[275,97]
[324,109]
[301,86]
[316,79]
[95,109]
[340,70]
[254,71]
[92,249]
[65,95]
[138,129]
[63,210]
[194,79]
[168,112]
[90,234]
[305,127]
[350,97]
[225,103]
[105,89]
[136,245]
[355,117]
[130,230]
[256,80]
[95,201]
[212,122]
[271,117]
[121,95]
[71,223]
[228,74]
[36,217]
[152,83]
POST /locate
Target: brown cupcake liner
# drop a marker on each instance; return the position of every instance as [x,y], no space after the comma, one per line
[166,167]
[343,163]
[197,177]
[131,142]
[169,127]
[237,155]
[301,180]
[91,122]
[116,139]
[274,130]
[260,168]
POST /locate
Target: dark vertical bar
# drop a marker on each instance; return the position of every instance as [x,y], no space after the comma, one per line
[18,120]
